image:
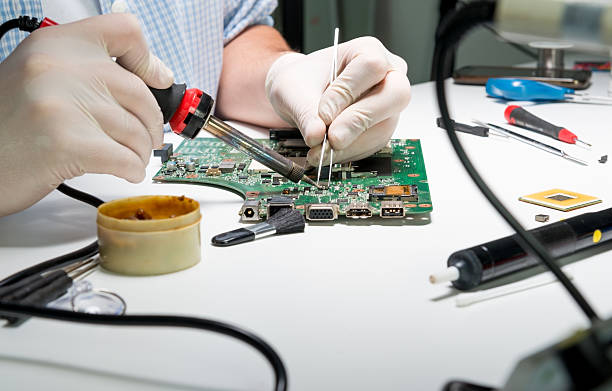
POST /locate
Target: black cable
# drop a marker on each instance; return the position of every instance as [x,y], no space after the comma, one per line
[54,263]
[23,23]
[66,259]
[160,321]
[79,195]
[8,25]
[459,23]
[16,310]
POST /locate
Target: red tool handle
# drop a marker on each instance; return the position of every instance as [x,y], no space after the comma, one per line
[516,115]
[187,110]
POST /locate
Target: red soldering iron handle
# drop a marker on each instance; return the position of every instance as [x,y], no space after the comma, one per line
[187,110]
[169,99]
[516,115]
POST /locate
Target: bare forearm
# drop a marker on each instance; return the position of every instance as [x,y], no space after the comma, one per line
[246,61]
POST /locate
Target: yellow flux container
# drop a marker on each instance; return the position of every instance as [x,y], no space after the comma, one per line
[149,235]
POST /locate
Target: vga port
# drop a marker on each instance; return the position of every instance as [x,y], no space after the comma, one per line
[322,212]
[391,210]
[359,210]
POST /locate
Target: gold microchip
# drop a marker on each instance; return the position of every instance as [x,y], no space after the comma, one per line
[559,199]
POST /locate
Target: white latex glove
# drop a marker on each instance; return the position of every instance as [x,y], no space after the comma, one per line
[67,108]
[361,107]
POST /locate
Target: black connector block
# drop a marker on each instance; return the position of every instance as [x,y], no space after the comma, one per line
[165,152]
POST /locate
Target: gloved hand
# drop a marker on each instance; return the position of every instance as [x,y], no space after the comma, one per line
[67,108]
[361,107]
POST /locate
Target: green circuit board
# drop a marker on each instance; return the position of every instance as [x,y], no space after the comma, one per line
[389,184]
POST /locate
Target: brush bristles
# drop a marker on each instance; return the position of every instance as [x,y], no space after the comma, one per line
[287,221]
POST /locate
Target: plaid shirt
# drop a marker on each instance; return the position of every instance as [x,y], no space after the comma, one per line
[187,35]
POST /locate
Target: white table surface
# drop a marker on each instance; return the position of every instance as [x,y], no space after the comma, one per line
[347,306]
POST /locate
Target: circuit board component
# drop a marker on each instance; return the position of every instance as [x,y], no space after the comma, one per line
[390,184]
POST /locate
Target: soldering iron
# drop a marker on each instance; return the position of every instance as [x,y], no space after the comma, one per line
[190,110]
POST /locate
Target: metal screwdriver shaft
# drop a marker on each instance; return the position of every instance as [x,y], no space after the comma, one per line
[532,142]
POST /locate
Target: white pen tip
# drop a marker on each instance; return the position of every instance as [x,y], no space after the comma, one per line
[450,274]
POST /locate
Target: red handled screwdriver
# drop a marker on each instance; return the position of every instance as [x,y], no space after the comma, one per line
[516,115]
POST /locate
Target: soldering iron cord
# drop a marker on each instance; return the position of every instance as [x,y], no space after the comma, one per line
[78,255]
[456,26]
[236,332]
[16,310]
[159,321]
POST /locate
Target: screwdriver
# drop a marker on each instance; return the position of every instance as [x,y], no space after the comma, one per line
[531,90]
[534,143]
[516,115]
[40,289]
[190,110]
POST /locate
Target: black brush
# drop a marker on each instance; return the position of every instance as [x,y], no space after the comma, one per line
[285,221]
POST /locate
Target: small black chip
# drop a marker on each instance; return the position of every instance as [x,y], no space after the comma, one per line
[243,177]
[241,166]
[204,167]
[352,193]
[214,166]
[266,175]
[307,188]
[343,200]
[266,181]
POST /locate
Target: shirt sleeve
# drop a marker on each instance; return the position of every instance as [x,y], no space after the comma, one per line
[240,14]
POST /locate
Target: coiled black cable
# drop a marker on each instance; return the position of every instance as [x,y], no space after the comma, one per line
[16,310]
[159,321]
[456,26]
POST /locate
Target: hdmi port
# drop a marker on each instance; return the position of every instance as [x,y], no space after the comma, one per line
[359,210]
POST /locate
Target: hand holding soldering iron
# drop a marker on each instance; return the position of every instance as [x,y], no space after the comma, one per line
[79,110]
